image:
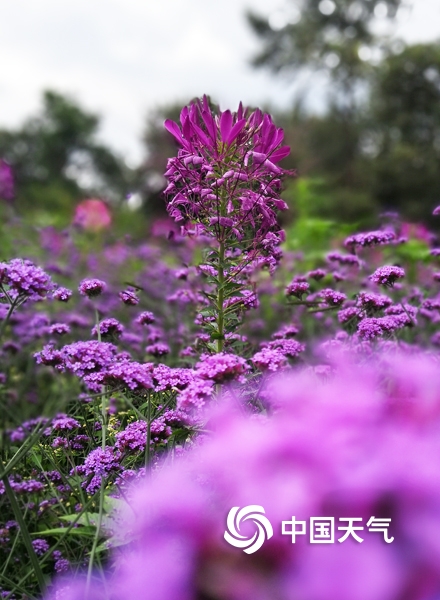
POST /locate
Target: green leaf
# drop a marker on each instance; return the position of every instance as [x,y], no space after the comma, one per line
[80,531]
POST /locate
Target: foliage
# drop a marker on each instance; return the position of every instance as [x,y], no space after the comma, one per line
[56,158]
[210,366]
[322,34]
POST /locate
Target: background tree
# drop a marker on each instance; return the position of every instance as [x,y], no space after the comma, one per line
[404,136]
[377,143]
[334,36]
[57,159]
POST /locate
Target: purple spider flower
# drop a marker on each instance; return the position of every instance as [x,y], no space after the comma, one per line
[227,155]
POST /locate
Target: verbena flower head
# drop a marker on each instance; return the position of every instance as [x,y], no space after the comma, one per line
[91,287]
[221,367]
[145,318]
[387,275]
[368,300]
[372,328]
[372,238]
[317,274]
[130,374]
[225,175]
[297,289]
[332,297]
[25,280]
[344,259]
[62,294]
[108,327]
[129,297]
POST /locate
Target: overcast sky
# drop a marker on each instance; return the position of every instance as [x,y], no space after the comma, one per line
[120,58]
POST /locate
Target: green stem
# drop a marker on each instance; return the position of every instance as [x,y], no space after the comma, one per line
[147,447]
[221,297]
[25,533]
[6,320]
[97,533]
[102,489]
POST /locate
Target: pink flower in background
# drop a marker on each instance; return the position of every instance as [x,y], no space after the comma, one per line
[93,215]
[6,181]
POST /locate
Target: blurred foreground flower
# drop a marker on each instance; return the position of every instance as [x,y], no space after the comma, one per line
[6,181]
[361,443]
[93,215]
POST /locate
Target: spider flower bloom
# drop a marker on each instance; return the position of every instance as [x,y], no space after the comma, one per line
[225,175]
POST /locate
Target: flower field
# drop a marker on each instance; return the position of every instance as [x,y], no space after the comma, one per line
[148,388]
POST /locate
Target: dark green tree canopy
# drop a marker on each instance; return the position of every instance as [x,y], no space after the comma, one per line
[58,147]
[322,34]
[405,129]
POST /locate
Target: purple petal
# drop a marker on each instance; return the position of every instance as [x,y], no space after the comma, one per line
[186,128]
[235,130]
[208,119]
[280,154]
[174,129]
[271,167]
[201,135]
[240,112]
[183,114]
[225,125]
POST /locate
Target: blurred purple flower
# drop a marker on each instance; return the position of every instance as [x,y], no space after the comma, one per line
[7,191]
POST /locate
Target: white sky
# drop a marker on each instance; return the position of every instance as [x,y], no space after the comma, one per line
[120,58]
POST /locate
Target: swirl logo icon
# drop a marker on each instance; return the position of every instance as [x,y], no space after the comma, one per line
[253,513]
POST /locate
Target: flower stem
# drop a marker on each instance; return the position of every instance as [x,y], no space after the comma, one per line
[24,532]
[102,489]
[6,320]
[220,297]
